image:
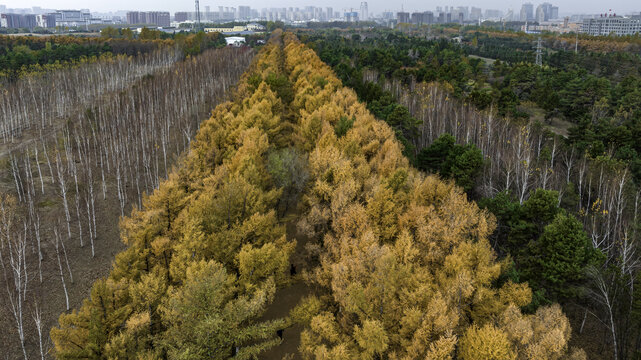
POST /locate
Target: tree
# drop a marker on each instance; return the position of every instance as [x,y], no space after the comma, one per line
[209,319]
[463,163]
[109,32]
[487,342]
[564,252]
[149,34]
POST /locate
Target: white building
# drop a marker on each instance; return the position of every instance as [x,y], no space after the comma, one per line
[235,40]
[364,15]
[607,25]
[72,18]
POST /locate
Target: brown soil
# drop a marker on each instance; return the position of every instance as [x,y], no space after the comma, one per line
[595,337]
[49,294]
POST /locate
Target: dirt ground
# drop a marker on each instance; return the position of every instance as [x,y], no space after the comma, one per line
[49,294]
[288,297]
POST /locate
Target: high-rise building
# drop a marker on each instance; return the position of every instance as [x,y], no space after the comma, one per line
[133,17]
[329,13]
[554,12]
[16,21]
[403,17]
[351,16]
[181,16]
[244,12]
[544,12]
[540,14]
[527,12]
[158,18]
[46,20]
[429,17]
[476,13]
[364,15]
[418,18]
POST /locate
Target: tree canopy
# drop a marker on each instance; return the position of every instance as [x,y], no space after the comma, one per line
[400,261]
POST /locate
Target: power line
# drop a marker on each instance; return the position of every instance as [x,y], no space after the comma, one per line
[197,16]
[539,53]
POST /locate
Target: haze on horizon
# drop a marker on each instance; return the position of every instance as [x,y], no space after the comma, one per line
[375,6]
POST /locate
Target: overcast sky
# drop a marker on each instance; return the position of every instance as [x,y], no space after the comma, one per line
[375,6]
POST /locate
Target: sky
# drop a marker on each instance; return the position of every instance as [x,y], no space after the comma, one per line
[375,6]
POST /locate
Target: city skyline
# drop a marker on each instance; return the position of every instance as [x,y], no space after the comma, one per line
[565,6]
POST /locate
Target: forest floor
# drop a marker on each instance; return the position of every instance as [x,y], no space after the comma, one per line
[49,294]
[591,336]
[288,297]
[556,125]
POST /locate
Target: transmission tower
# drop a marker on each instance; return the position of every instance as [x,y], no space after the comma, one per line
[539,53]
[197,16]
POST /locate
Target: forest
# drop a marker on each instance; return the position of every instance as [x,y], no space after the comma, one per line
[80,147]
[353,194]
[293,188]
[23,55]
[558,200]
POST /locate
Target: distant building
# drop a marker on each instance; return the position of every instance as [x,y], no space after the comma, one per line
[351,16]
[244,13]
[418,18]
[527,12]
[429,17]
[71,18]
[546,11]
[249,28]
[476,13]
[606,25]
[235,41]
[158,18]
[255,27]
[133,17]
[223,30]
[364,15]
[17,21]
[403,17]
[181,16]
[46,20]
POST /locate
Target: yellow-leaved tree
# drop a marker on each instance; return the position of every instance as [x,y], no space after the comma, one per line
[405,267]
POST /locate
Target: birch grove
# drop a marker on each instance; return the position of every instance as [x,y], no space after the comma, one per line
[80,139]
